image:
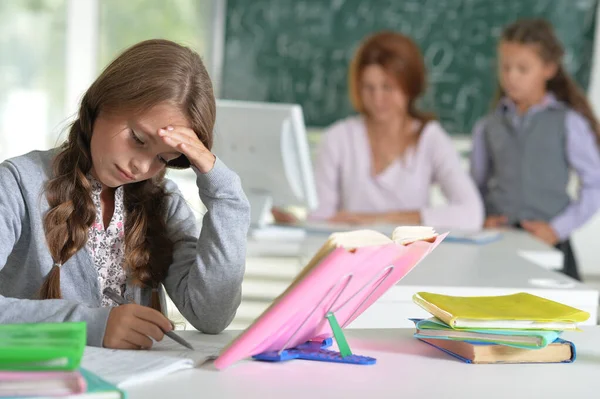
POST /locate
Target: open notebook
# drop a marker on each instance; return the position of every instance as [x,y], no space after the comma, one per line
[125,368]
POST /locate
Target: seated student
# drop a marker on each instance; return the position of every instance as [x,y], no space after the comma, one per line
[98,213]
[379,167]
[542,127]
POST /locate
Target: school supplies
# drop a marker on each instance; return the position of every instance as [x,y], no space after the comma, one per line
[348,273]
[42,346]
[516,311]
[532,339]
[363,239]
[499,329]
[405,235]
[40,383]
[328,228]
[560,351]
[79,384]
[109,292]
[125,368]
[98,388]
[477,237]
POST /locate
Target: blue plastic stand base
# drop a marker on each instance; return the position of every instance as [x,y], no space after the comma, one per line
[314,350]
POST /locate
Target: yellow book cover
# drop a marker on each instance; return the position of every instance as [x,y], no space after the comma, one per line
[516,311]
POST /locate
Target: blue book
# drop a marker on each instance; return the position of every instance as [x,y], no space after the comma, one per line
[560,351]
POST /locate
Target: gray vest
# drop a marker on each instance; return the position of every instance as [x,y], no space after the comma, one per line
[529,170]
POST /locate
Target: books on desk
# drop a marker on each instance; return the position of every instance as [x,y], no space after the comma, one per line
[436,329]
[37,383]
[560,351]
[352,240]
[80,384]
[43,359]
[518,311]
[41,346]
[480,237]
[518,328]
[98,388]
[328,228]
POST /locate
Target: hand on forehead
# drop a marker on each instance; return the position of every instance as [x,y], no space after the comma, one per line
[160,117]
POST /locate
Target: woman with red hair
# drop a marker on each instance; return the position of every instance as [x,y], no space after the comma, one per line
[379,166]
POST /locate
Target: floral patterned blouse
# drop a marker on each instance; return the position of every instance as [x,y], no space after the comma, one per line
[107,245]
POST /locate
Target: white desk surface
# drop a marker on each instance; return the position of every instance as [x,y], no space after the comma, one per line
[452,269]
[405,368]
[495,266]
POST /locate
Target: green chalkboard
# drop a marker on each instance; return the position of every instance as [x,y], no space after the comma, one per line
[298,51]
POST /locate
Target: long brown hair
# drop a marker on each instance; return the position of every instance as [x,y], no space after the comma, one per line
[540,34]
[399,56]
[147,74]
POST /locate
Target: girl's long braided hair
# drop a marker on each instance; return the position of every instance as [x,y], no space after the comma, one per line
[147,74]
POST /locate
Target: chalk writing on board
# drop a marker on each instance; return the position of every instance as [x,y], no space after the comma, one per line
[298,51]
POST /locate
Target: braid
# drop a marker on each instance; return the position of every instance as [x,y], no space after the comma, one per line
[149,251]
[72,210]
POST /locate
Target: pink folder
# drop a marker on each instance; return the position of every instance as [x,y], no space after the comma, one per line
[345,282]
[40,383]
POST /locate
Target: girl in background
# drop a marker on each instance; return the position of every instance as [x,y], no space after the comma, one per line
[541,127]
[97,213]
[379,166]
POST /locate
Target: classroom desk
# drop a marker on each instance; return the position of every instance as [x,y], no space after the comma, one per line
[452,268]
[405,368]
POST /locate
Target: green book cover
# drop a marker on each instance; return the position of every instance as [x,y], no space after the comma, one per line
[101,388]
[434,328]
[42,346]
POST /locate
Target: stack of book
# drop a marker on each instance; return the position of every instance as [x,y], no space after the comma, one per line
[518,328]
[43,360]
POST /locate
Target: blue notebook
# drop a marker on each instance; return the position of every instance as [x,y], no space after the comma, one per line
[560,351]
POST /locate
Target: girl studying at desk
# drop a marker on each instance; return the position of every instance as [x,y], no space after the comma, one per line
[97,213]
[541,128]
[379,166]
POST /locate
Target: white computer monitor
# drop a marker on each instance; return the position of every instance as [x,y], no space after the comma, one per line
[266,145]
